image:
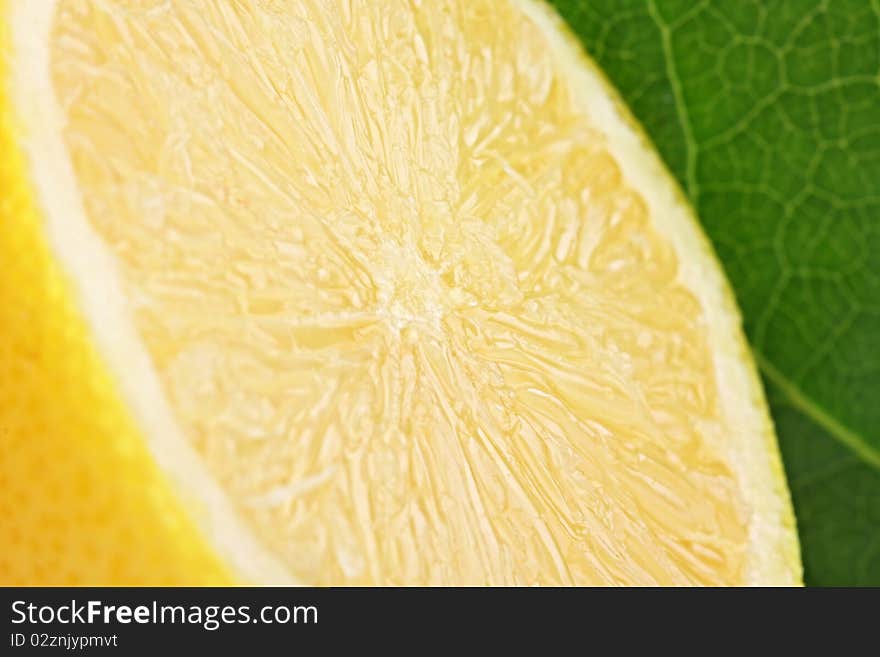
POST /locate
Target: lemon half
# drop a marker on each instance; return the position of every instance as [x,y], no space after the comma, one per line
[358,292]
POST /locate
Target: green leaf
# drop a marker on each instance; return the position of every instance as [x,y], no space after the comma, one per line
[837,497]
[769,116]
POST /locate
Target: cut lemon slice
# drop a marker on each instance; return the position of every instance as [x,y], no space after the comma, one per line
[358,292]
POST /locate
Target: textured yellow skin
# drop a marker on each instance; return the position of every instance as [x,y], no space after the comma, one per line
[81,501]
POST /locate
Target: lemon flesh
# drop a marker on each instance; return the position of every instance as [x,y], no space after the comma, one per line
[397,295]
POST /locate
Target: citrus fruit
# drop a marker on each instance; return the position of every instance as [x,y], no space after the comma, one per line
[358,292]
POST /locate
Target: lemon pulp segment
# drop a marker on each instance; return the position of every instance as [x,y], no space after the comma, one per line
[401,297]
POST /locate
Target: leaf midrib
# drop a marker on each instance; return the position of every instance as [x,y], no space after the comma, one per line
[808,406]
